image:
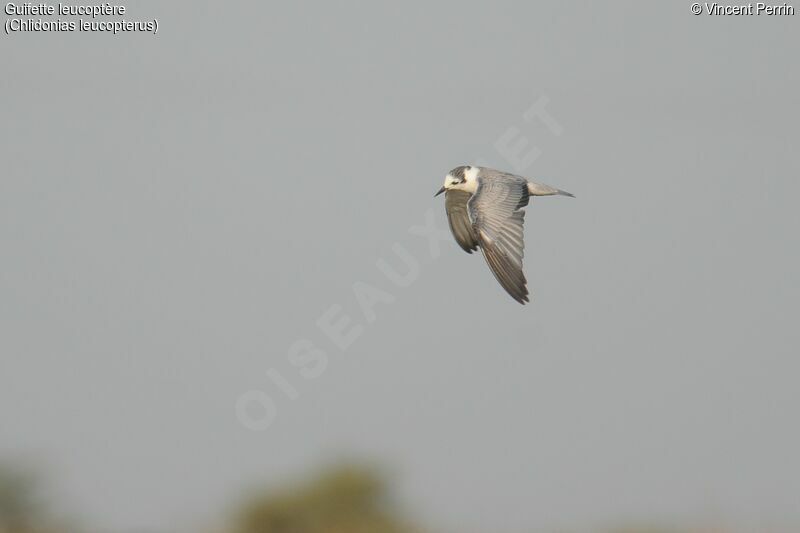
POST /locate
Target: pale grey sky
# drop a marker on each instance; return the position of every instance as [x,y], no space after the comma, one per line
[179,209]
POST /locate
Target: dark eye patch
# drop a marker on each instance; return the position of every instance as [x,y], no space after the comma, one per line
[459,172]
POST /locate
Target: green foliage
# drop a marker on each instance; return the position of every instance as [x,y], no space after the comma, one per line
[18,501]
[342,500]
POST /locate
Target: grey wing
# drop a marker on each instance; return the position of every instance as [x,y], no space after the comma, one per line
[456,206]
[497,216]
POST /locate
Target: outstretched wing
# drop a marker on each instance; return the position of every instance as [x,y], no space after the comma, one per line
[456,206]
[497,216]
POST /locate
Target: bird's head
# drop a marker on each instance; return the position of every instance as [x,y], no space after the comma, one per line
[460,178]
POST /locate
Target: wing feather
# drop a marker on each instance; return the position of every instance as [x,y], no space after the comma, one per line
[497,217]
[458,217]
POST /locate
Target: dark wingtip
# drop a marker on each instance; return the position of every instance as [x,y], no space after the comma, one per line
[565,193]
[522,297]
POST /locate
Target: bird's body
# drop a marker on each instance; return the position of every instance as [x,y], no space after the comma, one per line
[484,209]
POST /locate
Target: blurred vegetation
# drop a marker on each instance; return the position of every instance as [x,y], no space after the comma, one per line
[20,509]
[345,499]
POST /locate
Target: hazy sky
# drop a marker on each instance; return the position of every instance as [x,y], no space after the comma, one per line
[178,209]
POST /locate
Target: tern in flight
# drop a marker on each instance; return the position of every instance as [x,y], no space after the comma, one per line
[484,209]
